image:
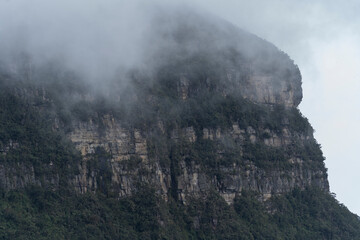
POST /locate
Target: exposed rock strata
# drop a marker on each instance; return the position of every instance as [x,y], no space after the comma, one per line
[204,69]
[192,179]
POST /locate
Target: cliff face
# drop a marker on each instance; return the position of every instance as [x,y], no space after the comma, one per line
[134,157]
[202,140]
[218,111]
[223,118]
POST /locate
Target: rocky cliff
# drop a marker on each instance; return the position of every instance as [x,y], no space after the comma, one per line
[223,116]
[133,150]
[217,117]
[202,140]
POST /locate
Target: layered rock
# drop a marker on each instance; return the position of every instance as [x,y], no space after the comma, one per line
[246,87]
[129,147]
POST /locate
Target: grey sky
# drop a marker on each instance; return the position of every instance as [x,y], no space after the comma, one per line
[322,37]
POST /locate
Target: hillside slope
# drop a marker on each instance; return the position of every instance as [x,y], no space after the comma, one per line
[203,141]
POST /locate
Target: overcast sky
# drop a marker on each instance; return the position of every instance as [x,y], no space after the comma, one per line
[321,36]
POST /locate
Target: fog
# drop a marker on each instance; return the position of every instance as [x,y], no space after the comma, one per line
[323,38]
[90,37]
[98,39]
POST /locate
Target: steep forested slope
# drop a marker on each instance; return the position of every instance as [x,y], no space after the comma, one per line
[204,141]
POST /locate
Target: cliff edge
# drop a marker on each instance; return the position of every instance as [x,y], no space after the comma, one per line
[208,119]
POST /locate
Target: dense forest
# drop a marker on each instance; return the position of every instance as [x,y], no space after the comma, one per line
[43,210]
[204,140]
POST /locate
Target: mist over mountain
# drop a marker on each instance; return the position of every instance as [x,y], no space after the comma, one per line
[101,40]
[157,121]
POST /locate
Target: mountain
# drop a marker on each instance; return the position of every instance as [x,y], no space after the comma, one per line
[202,140]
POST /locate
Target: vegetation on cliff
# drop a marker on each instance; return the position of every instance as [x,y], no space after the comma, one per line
[206,142]
[36,213]
[49,211]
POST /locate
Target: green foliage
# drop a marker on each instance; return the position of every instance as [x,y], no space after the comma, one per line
[256,217]
[313,214]
[35,213]
[133,163]
[39,214]
[28,133]
[99,164]
[27,114]
[264,156]
[309,214]
[214,219]
[83,110]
